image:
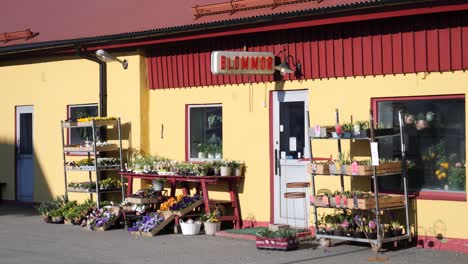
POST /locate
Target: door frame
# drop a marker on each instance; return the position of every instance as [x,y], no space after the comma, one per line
[15,167]
[272,148]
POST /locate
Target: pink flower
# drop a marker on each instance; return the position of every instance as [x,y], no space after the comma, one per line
[372,224]
[345,224]
[458,165]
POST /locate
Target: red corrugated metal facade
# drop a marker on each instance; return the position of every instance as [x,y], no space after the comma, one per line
[426,43]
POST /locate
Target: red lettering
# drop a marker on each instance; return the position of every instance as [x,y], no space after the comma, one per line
[223,62]
[270,63]
[236,63]
[245,63]
[229,63]
[254,61]
[262,63]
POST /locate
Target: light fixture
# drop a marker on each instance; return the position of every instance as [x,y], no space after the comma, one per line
[107,57]
[284,67]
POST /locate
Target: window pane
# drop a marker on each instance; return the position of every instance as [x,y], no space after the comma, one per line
[435,143]
[78,135]
[206,133]
[292,135]
[26,133]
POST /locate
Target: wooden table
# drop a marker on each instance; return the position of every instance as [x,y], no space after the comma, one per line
[201,182]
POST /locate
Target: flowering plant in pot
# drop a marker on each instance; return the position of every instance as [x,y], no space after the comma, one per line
[47,207]
[211,222]
[158,185]
[225,168]
[397,228]
[56,216]
[370,230]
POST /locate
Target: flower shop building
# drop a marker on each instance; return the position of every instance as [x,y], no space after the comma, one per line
[354,56]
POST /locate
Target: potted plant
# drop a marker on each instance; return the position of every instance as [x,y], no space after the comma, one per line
[201,150]
[397,229]
[56,217]
[158,185]
[370,230]
[216,165]
[211,222]
[218,151]
[225,169]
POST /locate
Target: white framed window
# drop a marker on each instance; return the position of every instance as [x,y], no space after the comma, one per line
[79,135]
[205,132]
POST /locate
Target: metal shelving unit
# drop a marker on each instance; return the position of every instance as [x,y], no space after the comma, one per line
[377,210]
[93,152]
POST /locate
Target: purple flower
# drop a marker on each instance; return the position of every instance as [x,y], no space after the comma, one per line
[372,224]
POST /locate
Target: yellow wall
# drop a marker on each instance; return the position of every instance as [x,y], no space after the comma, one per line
[51,86]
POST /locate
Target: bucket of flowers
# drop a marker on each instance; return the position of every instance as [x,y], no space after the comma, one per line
[211,222]
[149,225]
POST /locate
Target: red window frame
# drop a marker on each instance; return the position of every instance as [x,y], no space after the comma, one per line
[424,195]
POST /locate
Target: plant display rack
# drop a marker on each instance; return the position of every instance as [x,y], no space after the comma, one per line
[95,152]
[377,206]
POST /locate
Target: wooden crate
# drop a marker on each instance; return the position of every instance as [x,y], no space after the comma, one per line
[136,200]
[385,201]
[320,200]
[366,170]
[117,211]
[157,229]
[277,243]
[319,168]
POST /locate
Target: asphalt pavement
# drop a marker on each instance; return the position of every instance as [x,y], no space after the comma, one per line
[24,239]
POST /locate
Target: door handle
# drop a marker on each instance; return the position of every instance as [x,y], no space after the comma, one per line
[277,164]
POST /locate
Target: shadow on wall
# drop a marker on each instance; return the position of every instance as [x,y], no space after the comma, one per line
[41,189]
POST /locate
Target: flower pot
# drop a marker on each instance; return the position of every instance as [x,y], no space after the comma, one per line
[398,232]
[218,156]
[358,234]
[332,168]
[225,171]
[346,134]
[211,156]
[372,235]
[238,171]
[421,124]
[157,185]
[338,232]
[211,228]
[57,220]
[190,227]
[388,234]
[338,200]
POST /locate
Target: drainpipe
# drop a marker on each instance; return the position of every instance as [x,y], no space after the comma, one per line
[102,86]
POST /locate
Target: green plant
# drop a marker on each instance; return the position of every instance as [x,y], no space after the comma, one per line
[211,217]
[47,207]
[347,126]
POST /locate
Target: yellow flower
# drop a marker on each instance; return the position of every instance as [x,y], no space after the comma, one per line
[437,172]
[444,165]
[432,155]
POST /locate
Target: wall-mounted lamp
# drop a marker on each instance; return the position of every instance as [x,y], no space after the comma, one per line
[107,57]
[284,67]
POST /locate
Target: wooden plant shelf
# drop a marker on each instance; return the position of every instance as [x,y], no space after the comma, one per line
[90,123]
[385,202]
[156,230]
[110,147]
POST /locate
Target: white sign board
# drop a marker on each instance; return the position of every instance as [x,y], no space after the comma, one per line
[242,62]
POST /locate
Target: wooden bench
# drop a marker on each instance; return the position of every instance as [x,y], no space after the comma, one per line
[1,186]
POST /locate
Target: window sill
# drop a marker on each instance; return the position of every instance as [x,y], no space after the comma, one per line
[441,196]
[434,195]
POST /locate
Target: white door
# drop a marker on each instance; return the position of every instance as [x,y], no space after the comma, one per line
[291,147]
[24,152]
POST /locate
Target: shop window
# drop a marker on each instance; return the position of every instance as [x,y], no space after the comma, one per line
[79,135]
[435,142]
[206,133]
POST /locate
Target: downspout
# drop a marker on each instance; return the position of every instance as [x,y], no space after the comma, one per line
[102,86]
